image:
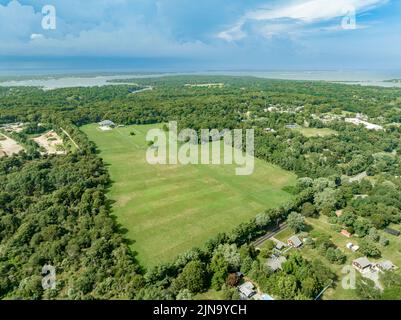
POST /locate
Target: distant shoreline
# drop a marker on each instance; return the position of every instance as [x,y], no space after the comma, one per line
[92,79]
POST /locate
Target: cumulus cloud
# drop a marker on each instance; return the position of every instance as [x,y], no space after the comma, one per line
[281,17]
[232,34]
[261,32]
[313,10]
[107,27]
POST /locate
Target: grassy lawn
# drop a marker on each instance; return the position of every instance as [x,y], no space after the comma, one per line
[314,132]
[284,235]
[209,295]
[167,209]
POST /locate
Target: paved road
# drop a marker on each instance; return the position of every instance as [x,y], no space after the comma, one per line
[269,235]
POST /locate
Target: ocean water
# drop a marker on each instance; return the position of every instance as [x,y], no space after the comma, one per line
[83,78]
[70,81]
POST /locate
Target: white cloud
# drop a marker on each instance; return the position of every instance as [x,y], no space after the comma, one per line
[281,18]
[232,34]
[36,36]
[313,10]
[121,31]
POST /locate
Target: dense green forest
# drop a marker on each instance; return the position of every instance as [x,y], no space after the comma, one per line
[54,209]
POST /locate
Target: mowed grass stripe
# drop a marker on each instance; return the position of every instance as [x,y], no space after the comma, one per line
[167,209]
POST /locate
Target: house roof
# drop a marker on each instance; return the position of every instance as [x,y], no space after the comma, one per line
[386,265]
[247,289]
[355,248]
[363,262]
[106,123]
[280,245]
[346,233]
[295,241]
[392,231]
[275,262]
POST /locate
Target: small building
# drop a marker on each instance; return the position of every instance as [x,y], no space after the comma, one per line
[361,264]
[106,125]
[280,245]
[292,126]
[352,247]
[275,262]
[295,242]
[392,232]
[386,265]
[361,196]
[247,290]
[345,233]
[368,125]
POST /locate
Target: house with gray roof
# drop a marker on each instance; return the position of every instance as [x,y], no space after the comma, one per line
[385,265]
[295,242]
[247,290]
[280,245]
[106,125]
[361,264]
[275,262]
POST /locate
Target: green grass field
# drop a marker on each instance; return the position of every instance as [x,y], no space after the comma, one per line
[314,132]
[167,209]
[284,235]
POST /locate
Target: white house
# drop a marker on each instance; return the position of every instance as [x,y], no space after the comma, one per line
[368,125]
[361,264]
[106,125]
[247,290]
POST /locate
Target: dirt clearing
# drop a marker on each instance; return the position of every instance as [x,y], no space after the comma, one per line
[51,142]
[8,146]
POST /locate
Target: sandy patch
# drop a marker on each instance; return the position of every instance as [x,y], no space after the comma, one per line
[51,142]
[13,127]
[8,146]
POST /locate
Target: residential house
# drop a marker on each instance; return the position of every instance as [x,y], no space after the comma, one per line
[280,245]
[346,233]
[352,247]
[362,264]
[361,196]
[247,290]
[295,242]
[386,265]
[369,126]
[275,262]
[106,125]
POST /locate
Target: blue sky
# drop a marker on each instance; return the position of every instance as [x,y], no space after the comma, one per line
[209,34]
